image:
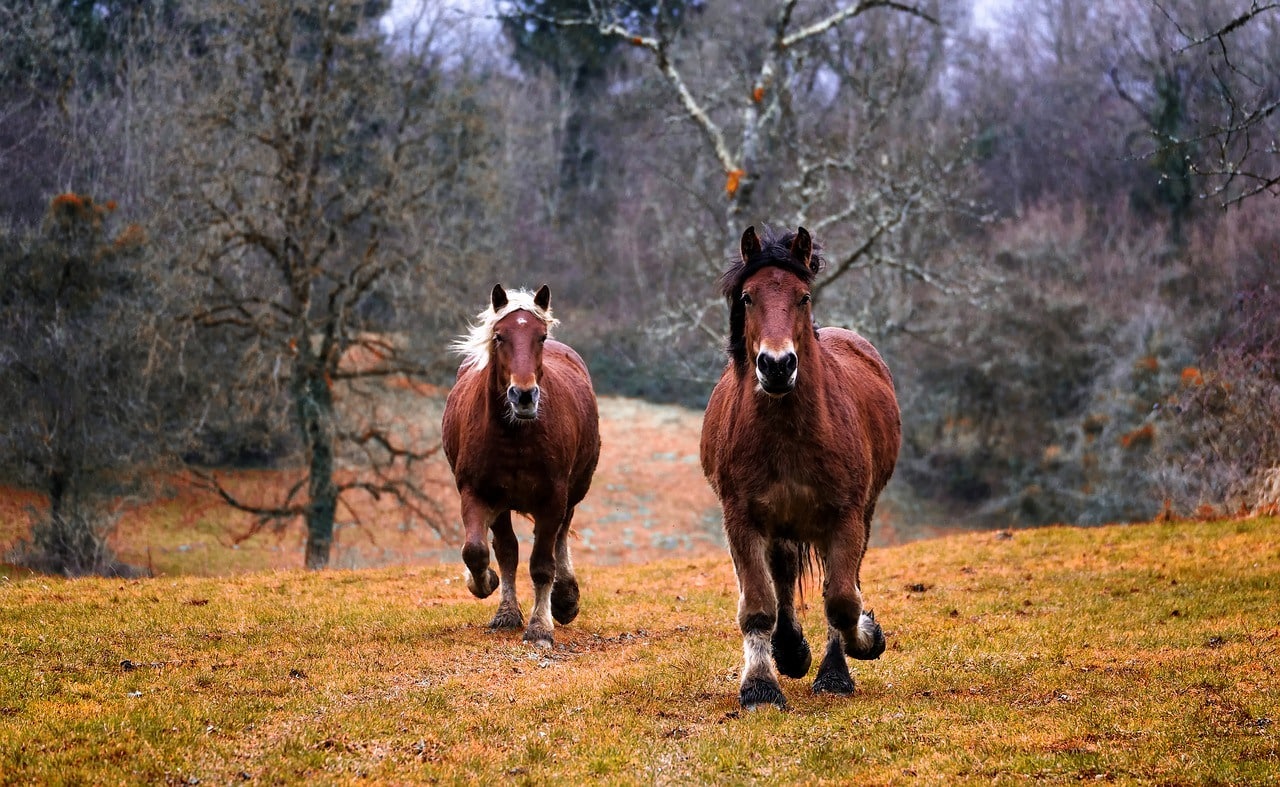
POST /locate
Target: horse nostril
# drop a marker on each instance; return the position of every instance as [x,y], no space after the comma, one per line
[791,362]
[762,363]
[526,397]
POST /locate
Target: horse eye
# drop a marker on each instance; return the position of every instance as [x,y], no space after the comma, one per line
[805,299]
[746,299]
[497,338]
[542,340]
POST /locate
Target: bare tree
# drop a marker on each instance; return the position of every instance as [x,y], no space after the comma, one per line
[335,192]
[1239,44]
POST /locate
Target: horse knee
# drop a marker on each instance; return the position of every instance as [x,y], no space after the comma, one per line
[757,622]
[843,612]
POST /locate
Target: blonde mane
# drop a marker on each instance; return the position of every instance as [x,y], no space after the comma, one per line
[474,345]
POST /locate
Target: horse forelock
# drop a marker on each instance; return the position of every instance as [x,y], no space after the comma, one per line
[474,345]
[775,252]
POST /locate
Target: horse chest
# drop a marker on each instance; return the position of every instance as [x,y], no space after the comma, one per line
[515,473]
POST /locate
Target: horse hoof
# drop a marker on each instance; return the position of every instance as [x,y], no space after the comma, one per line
[757,692]
[564,602]
[833,683]
[507,620]
[483,589]
[869,642]
[538,639]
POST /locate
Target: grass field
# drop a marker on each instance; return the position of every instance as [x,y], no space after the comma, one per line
[1143,653]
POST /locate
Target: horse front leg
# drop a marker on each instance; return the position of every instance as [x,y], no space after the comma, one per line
[564,592]
[851,630]
[506,548]
[542,570]
[757,613]
[790,649]
[477,517]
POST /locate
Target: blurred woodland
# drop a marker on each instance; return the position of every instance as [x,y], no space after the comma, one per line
[225,226]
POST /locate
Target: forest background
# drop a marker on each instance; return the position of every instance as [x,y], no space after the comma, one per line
[226,232]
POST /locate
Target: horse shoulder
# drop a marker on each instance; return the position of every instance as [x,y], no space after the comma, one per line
[460,412]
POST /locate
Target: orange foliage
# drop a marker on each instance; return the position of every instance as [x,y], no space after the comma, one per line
[132,235]
[1191,376]
[757,95]
[69,200]
[1141,437]
[637,40]
[1147,364]
[731,183]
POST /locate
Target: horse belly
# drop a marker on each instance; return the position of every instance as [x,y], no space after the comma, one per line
[788,509]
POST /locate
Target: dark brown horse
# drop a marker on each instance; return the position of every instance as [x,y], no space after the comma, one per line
[522,433]
[800,436]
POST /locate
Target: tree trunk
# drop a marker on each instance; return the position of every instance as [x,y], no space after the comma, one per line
[315,415]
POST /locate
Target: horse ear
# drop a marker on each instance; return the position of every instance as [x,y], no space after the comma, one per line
[802,249]
[542,298]
[498,298]
[750,243]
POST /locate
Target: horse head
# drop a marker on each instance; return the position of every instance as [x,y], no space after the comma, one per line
[518,335]
[771,321]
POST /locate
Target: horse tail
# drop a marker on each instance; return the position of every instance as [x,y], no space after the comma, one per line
[810,568]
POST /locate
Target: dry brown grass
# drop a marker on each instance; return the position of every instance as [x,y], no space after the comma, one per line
[1129,654]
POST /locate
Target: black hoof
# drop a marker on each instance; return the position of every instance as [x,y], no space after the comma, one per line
[833,683]
[757,692]
[877,639]
[791,652]
[564,602]
[507,620]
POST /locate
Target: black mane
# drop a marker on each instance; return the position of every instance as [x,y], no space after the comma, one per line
[775,252]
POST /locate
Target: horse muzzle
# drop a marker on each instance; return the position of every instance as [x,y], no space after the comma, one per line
[523,401]
[777,373]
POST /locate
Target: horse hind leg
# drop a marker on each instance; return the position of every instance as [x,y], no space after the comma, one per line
[791,651]
[506,548]
[833,673]
[564,591]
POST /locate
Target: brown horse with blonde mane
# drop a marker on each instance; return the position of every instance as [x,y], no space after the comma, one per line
[522,433]
[800,437]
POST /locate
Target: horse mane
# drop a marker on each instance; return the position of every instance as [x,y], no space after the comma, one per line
[775,252]
[474,345]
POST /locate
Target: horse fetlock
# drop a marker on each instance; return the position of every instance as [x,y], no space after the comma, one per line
[868,640]
[507,618]
[761,691]
[833,673]
[564,601]
[483,586]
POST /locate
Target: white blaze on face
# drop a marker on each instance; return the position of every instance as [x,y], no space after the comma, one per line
[521,321]
[777,351]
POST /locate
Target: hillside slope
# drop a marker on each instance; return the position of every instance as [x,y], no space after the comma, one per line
[1143,653]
